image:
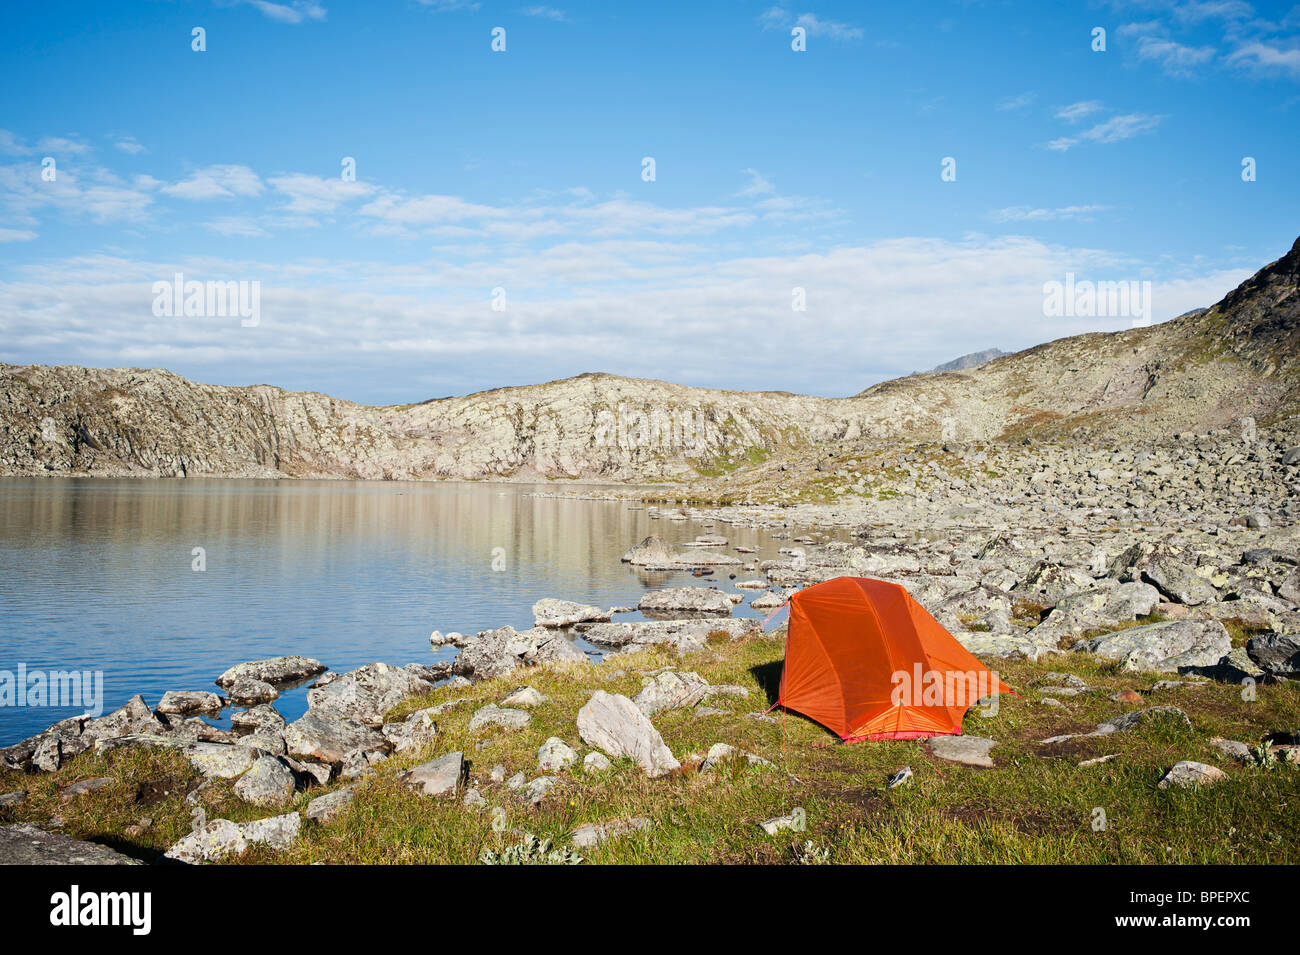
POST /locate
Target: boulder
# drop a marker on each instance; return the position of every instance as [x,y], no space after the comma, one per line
[493,715]
[550,612]
[220,760]
[221,837]
[592,834]
[414,732]
[966,750]
[555,755]
[26,844]
[247,691]
[321,737]
[1277,653]
[1189,774]
[525,696]
[613,724]
[438,777]
[1106,604]
[367,693]
[670,690]
[686,600]
[184,703]
[1163,647]
[268,783]
[276,670]
[324,809]
[1178,581]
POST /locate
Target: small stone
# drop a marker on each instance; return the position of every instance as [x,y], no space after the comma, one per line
[78,789]
[525,696]
[965,750]
[555,755]
[1188,774]
[595,763]
[324,809]
[493,715]
[437,777]
[778,823]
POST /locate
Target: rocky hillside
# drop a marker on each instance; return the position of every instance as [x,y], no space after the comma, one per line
[1200,371]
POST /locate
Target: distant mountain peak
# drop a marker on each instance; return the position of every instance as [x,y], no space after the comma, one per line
[970,361]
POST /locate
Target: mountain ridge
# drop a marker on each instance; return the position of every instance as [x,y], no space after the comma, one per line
[1202,370]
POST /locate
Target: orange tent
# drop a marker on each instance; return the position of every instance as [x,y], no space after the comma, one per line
[867,661]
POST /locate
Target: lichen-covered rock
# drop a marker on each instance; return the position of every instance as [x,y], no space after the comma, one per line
[614,724]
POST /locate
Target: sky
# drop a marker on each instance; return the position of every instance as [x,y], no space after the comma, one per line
[899,192]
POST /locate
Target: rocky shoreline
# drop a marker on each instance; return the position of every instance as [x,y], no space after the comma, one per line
[1190,605]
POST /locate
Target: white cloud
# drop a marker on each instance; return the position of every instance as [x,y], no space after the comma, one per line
[1175,58]
[1265,58]
[1078,111]
[776,18]
[1017,102]
[545,13]
[313,195]
[128,144]
[16,235]
[235,226]
[1031,214]
[1114,130]
[757,185]
[217,182]
[891,307]
[297,11]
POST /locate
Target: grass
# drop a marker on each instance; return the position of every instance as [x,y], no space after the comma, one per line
[1035,806]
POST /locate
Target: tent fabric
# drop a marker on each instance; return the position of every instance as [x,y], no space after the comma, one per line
[867,661]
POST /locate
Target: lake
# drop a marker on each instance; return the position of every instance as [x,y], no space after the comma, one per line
[99,575]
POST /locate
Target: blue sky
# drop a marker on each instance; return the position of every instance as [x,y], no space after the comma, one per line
[522,170]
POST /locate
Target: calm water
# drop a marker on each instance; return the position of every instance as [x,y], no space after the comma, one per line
[96,574]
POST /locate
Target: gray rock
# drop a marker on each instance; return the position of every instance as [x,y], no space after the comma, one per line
[525,696]
[184,702]
[268,783]
[256,717]
[537,790]
[686,600]
[438,777]
[1278,653]
[776,824]
[276,670]
[249,692]
[671,690]
[221,837]
[415,732]
[15,798]
[614,724]
[1163,647]
[493,715]
[1106,604]
[592,834]
[1178,581]
[966,750]
[325,809]
[550,612]
[367,693]
[220,760]
[1189,774]
[84,786]
[1237,750]
[555,755]
[26,844]
[1168,715]
[595,763]
[329,740]
[133,718]
[684,636]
